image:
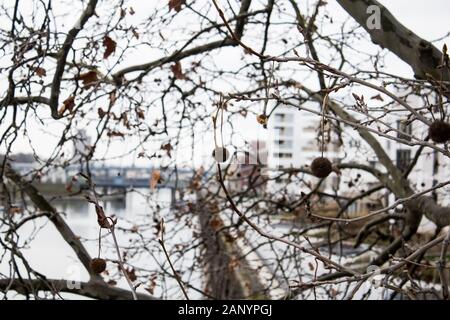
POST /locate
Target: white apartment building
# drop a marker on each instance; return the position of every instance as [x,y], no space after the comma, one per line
[431,166]
[294,140]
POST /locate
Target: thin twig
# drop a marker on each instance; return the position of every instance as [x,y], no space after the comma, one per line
[120,262]
[104,223]
[441,267]
[175,273]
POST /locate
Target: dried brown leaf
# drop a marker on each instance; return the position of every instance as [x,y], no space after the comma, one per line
[155,178]
[89,78]
[176,5]
[101,113]
[68,104]
[40,72]
[115,134]
[140,113]
[177,71]
[216,223]
[377,97]
[135,33]
[168,148]
[131,274]
[110,47]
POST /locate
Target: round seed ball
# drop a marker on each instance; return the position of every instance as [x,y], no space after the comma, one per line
[321,167]
[439,131]
[262,119]
[98,265]
[220,154]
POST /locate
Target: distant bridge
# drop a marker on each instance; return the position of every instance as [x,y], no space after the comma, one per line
[137,177]
[114,176]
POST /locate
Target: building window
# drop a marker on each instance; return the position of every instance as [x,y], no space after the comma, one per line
[284,131]
[284,144]
[403,159]
[282,155]
[279,117]
[404,130]
[282,117]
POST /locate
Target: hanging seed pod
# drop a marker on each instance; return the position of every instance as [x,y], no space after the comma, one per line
[439,131]
[262,119]
[220,154]
[321,167]
[98,265]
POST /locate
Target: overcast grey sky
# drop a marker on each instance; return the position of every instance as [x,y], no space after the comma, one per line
[429,19]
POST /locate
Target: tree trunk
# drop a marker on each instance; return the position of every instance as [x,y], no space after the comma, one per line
[227,274]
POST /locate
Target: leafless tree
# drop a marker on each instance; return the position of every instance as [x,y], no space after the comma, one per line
[154,82]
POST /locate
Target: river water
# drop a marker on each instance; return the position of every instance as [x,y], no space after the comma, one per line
[49,254]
